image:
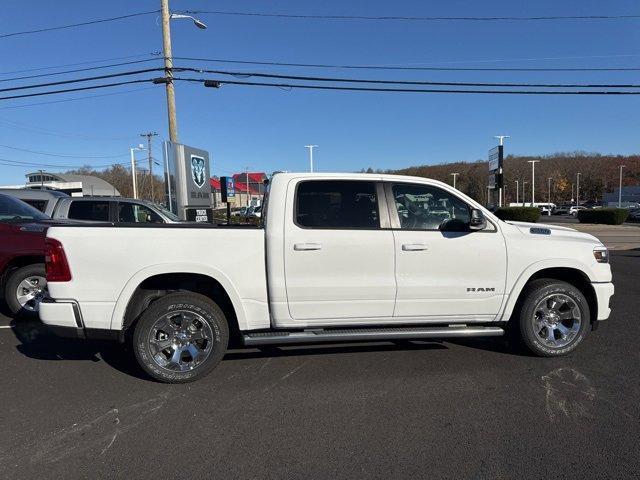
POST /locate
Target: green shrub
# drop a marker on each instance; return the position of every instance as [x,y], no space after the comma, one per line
[518,214]
[608,216]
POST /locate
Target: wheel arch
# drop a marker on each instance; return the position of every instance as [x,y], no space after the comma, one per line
[153,282]
[19,262]
[572,273]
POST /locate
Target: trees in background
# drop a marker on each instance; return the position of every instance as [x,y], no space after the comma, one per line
[599,175]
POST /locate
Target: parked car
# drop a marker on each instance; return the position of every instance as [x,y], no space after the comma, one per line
[113,210]
[634,215]
[22,271]
[43,200]
[561,210]
[256,212]
[341,257]
[241,212]
[574,210]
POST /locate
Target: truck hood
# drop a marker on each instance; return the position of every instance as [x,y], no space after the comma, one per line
[555,231]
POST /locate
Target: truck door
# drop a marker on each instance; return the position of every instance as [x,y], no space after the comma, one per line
[443,274]
[339,258]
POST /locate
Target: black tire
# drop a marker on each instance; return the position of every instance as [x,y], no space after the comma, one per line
[204,312]
[536,292]
[15,278]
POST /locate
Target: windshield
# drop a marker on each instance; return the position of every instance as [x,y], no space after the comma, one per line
[14,210]
[171,216]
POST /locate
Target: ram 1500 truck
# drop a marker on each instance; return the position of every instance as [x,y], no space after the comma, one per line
[339,257]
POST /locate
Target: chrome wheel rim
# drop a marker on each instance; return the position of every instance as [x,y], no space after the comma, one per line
[180,341]
[557,320]
[30,292]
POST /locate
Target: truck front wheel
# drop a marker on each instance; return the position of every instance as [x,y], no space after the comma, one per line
[180,337]
[554,318]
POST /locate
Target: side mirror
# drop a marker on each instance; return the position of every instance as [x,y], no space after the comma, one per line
[477,221]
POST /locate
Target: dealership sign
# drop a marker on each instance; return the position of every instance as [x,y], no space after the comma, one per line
[187,169]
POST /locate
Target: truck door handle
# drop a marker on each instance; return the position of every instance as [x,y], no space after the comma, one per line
[307,246]
[413,247]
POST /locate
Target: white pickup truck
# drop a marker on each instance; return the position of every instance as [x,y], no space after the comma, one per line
[340,257]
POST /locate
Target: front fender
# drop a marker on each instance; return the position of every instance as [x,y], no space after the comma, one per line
[534,268]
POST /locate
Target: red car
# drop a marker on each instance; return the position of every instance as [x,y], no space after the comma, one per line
[22,276]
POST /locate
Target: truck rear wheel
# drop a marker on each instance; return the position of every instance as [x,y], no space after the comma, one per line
[180,337]
[554,318]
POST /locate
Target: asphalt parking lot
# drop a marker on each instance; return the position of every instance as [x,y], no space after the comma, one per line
[473,409]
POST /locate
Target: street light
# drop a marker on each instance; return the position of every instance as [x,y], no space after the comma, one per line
[578,189]
[454,178]
[311,147]
[134,179]
[549,190]
[196,22]
[620,189]
[517,192]
[524,184]
[533,180]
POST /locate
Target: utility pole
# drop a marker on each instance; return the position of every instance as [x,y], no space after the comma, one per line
[523,190]
[549,190]
[311,147]
[148,135]
[168,70]
[134,175]
[578,189]
[517,192]
[454,178]
[619,191]
[533,180]
[42,179]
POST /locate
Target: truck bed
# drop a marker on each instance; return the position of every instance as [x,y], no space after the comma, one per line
[109,262]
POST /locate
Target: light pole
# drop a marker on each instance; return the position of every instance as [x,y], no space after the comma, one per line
[549,190]
[168,64]
[134,179]
[517,192]
[454,178]
[533,180]
[311,147]
[578,189]
[620,189]
[524,184]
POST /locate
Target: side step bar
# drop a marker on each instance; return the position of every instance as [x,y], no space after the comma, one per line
[367,334]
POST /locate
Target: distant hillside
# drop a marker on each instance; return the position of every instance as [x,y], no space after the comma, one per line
[599,174]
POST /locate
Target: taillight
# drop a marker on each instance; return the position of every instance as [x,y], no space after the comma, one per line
[55,261]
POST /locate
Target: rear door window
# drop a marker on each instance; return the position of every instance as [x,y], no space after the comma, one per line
[97,210]
[337,204]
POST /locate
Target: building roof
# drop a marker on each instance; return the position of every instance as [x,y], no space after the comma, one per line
[254,177]
[89,182]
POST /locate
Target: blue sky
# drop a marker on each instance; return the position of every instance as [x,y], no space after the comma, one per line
[266,128]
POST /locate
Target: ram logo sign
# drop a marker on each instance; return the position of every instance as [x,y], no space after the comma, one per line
[197,170]
[480,289]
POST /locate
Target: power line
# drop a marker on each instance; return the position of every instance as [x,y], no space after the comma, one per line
[81,24]
[378,67]
[91,62]
[76,89]
[19,163]
[56,133]
[218,82]
[411,18]
[86,97]
[80,70]
[51,154]
[79,80]
[409,82]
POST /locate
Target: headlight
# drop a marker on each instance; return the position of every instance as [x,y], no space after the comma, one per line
[601,254]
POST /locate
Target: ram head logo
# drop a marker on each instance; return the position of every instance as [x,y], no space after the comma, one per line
[197,171]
